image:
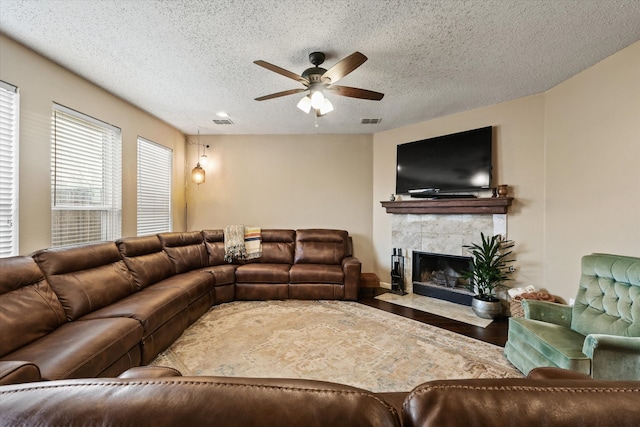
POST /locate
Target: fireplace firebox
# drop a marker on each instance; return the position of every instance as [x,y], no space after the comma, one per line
[440,276]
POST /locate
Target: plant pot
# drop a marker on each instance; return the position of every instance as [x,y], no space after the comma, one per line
[486,309]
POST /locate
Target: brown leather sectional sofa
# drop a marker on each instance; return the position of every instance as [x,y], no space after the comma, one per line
[154,396]
[97,310]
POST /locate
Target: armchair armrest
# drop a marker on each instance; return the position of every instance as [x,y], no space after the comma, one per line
[613,357]
[549,312]
[17,372]
[351,267]
[547,373]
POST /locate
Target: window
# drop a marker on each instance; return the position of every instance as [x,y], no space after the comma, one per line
[154,187]
[86,179]
[9,108]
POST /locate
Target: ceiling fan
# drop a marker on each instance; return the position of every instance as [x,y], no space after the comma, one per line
[317,79]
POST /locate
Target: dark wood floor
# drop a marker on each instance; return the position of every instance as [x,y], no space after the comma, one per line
[495,333]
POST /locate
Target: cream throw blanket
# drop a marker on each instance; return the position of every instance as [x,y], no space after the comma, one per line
[253,242]
[242,242]
[234,243]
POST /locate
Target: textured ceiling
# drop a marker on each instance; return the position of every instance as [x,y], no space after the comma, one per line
[185,60]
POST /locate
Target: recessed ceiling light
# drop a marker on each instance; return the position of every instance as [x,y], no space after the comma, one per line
[222,114]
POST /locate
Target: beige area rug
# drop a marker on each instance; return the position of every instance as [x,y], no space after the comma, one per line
[450,310]
[344,342]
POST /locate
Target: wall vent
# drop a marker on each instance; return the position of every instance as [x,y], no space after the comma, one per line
[222,121]
[370,121]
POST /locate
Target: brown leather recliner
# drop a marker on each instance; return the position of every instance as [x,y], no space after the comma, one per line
[548,397]
[324,266]
[158,396]
[267,277]
[36,327]
[193,401]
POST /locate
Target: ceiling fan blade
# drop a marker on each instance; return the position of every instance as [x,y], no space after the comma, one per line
[279,94]
[344,67]
[354,92]
[282,72]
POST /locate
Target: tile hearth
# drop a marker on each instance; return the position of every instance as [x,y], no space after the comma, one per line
[439,307]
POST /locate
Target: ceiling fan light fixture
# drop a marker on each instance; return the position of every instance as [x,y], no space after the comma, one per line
[327,107]
[305,104]
[317,99]
[316,79]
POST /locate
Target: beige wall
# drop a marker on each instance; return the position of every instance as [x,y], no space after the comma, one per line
[518,162]
[571,157]
[592,167]
[41,83]
[286,181]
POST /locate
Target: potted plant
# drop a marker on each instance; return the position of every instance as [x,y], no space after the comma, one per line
[489,270]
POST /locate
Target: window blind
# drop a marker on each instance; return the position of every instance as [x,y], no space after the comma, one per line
[86,179]
[9,117]
[155,164]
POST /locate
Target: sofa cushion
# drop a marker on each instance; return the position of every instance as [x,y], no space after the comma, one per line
[214,242]
[29,309]
[81,349]
[152,307]
[146,259]
[556,344]
[86,278]
[186,250]
[316,273]
[278,246]
[224,274]
[262,273]
[608,299]
[18,371]
[321,246]
[194,283]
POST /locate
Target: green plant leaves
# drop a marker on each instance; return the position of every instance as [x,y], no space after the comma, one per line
[490,264]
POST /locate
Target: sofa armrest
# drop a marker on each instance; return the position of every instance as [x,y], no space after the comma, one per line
[150,372]
[547,373]
[351,267]
[17,371]
[549,312]
[613,357]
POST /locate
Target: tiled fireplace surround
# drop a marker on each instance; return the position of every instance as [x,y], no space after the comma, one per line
[441,234]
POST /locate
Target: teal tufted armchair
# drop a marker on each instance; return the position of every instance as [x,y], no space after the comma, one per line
[599,336]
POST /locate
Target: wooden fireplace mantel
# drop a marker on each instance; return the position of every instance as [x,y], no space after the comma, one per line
[482,205]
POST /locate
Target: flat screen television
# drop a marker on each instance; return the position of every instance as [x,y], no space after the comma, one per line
[449,164]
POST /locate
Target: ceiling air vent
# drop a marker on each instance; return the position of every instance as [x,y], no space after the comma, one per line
[370,121]
[222,121]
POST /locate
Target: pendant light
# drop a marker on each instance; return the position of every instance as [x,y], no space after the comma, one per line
[198,174]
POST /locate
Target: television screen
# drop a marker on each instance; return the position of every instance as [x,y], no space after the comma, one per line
[460,162]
